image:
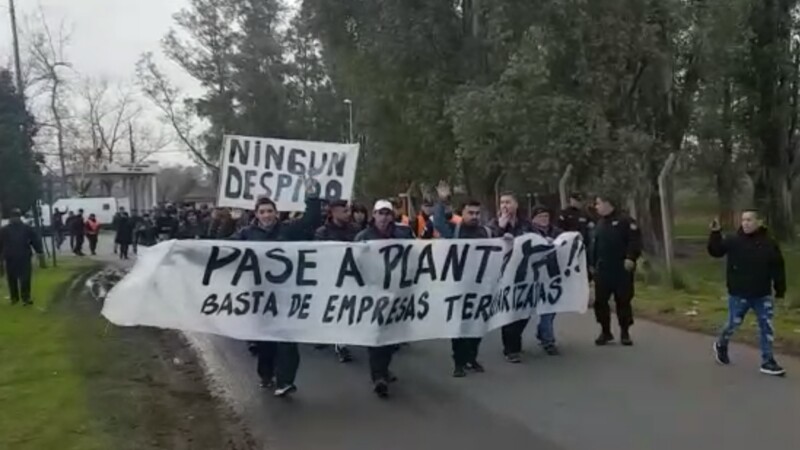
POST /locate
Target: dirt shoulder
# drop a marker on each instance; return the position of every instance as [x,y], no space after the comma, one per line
[145,388]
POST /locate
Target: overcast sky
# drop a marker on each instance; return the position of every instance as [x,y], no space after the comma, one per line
[107,36]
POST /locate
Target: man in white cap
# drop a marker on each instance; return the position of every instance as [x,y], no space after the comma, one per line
[383,226]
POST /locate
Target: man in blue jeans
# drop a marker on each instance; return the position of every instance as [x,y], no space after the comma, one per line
[754,269]
[541,225]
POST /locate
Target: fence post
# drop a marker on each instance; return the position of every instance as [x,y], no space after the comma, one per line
[664,188]
[562,186]
[497,182]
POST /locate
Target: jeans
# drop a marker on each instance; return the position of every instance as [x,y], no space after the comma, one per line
[764,309]
[545,332]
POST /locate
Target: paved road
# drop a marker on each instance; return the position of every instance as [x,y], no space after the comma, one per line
[664,393]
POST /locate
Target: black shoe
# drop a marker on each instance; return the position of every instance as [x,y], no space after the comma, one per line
[381,388]
[475,366]
[344,354]
[772,368]
[459,372]
[392,378]
[604,338]
[27,303]
[513,358]
[253,349]
[284,391]
[625,339]
[551,350]
[721,354]
[267,384]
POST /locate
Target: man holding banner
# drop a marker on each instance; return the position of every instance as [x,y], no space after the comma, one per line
[465,350]
[338,227]
[383,226]
[509,225]
[280,360]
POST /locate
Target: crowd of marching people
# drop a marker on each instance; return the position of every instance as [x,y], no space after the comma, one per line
[612,238]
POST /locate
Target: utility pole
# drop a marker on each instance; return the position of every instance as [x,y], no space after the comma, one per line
[349,104]
[21,93]
[131,143]
[15,36]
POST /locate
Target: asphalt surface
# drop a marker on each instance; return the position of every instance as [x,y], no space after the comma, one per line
[666,392]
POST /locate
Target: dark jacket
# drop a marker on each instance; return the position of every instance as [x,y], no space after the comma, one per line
[450,230]
[77,225]
[189,230]
[551,231]
[125,226]
[574,219]
[222,228]
[333,232]
[168,225]
[290,231]
[146,233]
[396,231]
[755,263]
[16,241]
[515,229]
[617,238]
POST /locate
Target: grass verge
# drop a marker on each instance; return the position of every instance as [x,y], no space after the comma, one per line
[700,304]
[69,380]
[40,392]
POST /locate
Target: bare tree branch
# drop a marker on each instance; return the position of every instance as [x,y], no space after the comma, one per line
[167,99]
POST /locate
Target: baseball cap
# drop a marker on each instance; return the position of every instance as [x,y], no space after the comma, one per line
[383,204]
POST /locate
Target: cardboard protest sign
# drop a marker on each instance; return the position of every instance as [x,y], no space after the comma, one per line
[372,293]
[253,167]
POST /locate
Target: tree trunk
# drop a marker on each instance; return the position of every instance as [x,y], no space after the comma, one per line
[779,204]
[643,199]
[725,196]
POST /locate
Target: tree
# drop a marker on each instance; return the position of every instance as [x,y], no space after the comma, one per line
[48,62]
[19,172]
[175,182]
[176,109]
[771,89]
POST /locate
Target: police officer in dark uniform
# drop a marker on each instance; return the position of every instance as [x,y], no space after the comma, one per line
[383,226]
[16,241]
[616,246]
[338,227]
[575,218]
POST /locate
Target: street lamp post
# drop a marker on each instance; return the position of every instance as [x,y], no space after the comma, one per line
[349,104]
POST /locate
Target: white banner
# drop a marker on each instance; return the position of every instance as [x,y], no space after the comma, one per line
[253,167]
[372,293]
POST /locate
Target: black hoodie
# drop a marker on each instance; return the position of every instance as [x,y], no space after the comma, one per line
[755,263]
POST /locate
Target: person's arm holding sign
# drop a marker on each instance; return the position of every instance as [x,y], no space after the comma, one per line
[304,229]
[440,222]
